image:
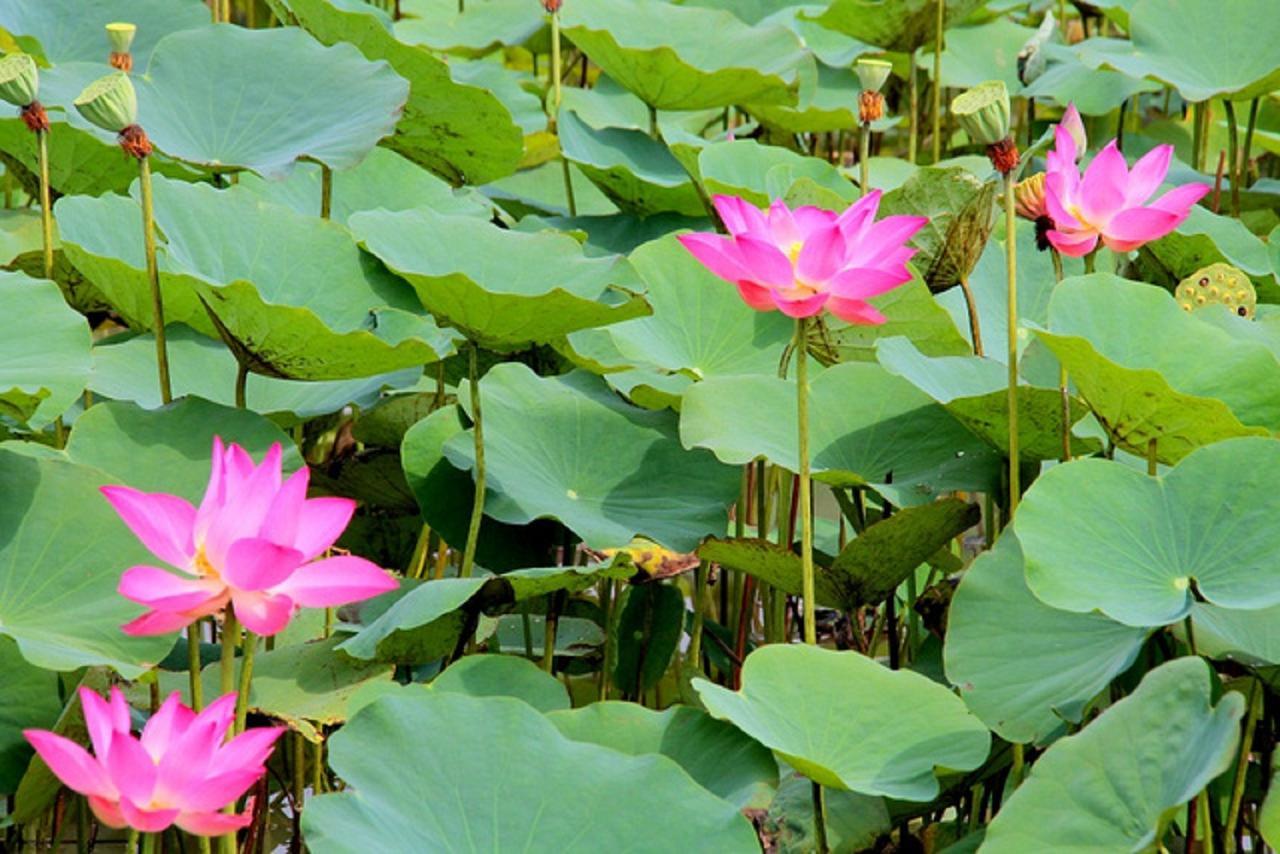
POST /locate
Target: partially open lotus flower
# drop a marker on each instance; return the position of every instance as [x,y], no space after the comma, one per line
[1109,202]
[253,543]
[181,771]
[804,260]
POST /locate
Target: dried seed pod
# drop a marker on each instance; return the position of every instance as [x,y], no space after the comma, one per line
[1218,284]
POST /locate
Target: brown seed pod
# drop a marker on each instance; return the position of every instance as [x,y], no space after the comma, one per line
[121,61]
[870,106]
[1003,155]
[35,118]
[133,139]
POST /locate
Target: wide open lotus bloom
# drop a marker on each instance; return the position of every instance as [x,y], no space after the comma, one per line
[181,771]
[253,543]
[1109,203]
[804,260]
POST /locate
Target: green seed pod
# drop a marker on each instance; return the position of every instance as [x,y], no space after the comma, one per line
[983,112]
[120,35]
[19,79]
[1218,284]
[109,102]
[872,73]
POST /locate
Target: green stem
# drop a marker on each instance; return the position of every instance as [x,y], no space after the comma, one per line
[549,632]
[1011,271]
[317,767]
[971,308]
[913,129]
[653,122]
[864,158]
[46,208]
[193,664]
[227,666]
[329,614]
[326,191]
[820,819]
[806,509]
[1206,821]
[1248,139]
[148,843]
[249,648]
[1197,133]
[1233,153]
[555,64]
[568,185]
[1062,17]
[153,278]
[1018,768]
[937,80]
[1242,768]
[477,507]
[695,636]
[1064,387]
[1152,463]
[1090,262]
[242,384]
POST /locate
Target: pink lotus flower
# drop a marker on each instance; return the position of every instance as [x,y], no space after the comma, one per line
[1109,202]
[252,543]
[804,260]
[179,772]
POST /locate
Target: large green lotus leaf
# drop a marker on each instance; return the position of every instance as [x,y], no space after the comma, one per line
[471,30]
[685,58]
[461,132]
[503,289]
[519,91]
[718,756]
[72,30]
[1114,336]
[496,773]
[1251,637]
[1143,549]
[540,191]
[292,292]
[504,676]
[414,624]
[384,179]
[1112,785]
[832,49]
[989,51]
[699,326]
[125,369]
[975,391]
[44,350]
[761,173]
[1021,666]
[565,447]
[170,449]
[31,700]
[824,104]
[1205,238]
[64,549]
[636,172]
[898,25]
[291,98]
[1182,43]
[867,427]
[847,722]
[910,311]
[1094,91]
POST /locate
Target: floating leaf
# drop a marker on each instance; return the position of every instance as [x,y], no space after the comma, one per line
[415,624]
[895,726]
[1143,549]
[503,676]
[44,364]
[498,773]
[32,701]
[1112,786]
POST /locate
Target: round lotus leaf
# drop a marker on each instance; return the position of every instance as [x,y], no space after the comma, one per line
[503,676]
[685,58]
[43,366]
[1218,284]
[566,447]
[1024,668]
[1204,50]
[1143,549]
[867,428]
[475,29]
[291,294]
[895,726]
[63,31]
[1112,786]
[900,25]
[496,772]
[1094,91]
[32,700]
[503,289]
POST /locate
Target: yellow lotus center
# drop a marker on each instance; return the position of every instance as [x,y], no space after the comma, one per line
[203,567]
[1074,210]
[800,289]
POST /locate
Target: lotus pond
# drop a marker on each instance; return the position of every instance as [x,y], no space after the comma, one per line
[639,425]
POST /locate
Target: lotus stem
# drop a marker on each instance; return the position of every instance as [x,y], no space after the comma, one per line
[820,819]
[227,674]
[242,383]
[1018,766]
[653,121]
[1063,379]
[1242,768]
[46,208]
[147,843]
[326,191]
[971,307]
[329,614]
[1062,17]
[555,63]
[248,649]
[806,508]
[1197,134]
[1248,138]
[1233,145]
[864,158]
[1206,821]
[699,615]
[913,129]
[549,626]
[1011,268]
[153,277]
[937,81]
[317,767]
[193,664]
[477,508]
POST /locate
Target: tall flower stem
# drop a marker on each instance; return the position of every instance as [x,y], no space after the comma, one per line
[554,109]
[1250,126]
[971,308]
[913,123]
[147,843]
[820,819]
[1242,768]
[1197,133]
[248,649]
[1233,145]
[1063,380]
[242,383]
[477,508]
[46,208]
[193,664]
[227,674]
[326,191]
[1011,269]
[864,158]
[153,277]
[806,507]
[937,80]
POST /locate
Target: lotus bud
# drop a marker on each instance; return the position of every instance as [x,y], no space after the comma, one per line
[19,79]
[1072,123]
[109,102]
[1032,59]
[120,35]
[983,112]
[872,73]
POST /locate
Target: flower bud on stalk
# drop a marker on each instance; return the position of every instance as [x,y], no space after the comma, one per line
[983,112]
[120,35]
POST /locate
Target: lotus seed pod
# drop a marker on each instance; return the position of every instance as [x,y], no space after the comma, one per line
[109,102]
[19,79]
[1218,284]
[872,73]
[983,112]
[121,36]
